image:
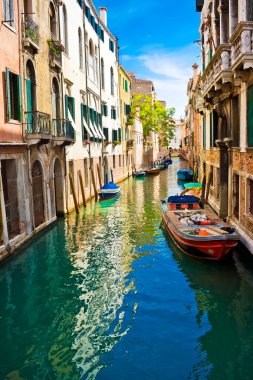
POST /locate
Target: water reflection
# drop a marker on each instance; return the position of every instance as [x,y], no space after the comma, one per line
[224,311]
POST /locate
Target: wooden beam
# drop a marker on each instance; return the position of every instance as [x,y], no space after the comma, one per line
[73,192]
[208,185]
[82,187]
[94,183]
[99,175]
[203,189]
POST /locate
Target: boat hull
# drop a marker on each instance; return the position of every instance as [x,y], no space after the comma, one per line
[139,174]
[107,194]
[209,248]
[153,171]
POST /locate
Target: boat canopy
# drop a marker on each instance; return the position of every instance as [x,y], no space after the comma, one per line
[185,171]
[110,186]
[183,199]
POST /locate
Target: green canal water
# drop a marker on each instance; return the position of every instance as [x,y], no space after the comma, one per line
[106,295]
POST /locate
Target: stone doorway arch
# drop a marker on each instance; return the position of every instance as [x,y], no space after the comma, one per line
[58,187]
[38,196]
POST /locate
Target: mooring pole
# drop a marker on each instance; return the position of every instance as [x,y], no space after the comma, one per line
[82,187]
[73,192]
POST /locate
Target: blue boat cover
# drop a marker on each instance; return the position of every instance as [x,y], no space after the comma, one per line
[109,186]
[183,199]
[185,171]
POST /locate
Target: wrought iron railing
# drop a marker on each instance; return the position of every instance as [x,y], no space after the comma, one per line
[12,217]
[31,30]
[63,128]
[38,123]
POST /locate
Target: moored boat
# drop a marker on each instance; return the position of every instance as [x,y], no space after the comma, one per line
[109,190]
[185,175]
[197,231]
[139,174]
[153,171]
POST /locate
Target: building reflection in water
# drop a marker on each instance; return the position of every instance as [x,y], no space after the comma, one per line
[224,300]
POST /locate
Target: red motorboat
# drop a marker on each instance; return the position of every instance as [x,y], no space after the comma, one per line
[198,231]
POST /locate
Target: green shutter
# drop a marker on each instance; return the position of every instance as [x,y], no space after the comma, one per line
[66,107]
[106,133]
[250,116]
[120,137]
[19,97]
[85,112]
[71,106]
[8,93]
[105,110]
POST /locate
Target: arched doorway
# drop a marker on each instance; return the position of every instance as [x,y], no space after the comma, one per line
[38,197]
[30,96]
[58,188]
[55,99]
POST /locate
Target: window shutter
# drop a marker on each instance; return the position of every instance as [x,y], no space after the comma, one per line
[114,114]
[128,109]
[120,135]
[105,110]
[8,93]
[85,113]
[19,88]
[71,107]
[102,35]
[250,116]
[66,106]
[106,133]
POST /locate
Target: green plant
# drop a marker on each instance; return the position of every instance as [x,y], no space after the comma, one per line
[116,142]
[55,48]
[30,33]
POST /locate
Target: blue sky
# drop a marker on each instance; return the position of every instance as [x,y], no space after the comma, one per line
[156,42]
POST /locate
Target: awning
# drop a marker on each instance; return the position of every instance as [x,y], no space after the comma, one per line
[94,132]
[98,132]
[73,123]
[102,133]
[86,127]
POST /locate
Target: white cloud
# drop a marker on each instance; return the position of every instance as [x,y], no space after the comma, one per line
[170,72]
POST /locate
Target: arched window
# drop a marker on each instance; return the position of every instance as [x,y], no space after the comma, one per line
[102,73]
[80,41]
[55,99]
[52,20]
[65,28]
[91,61]
[112,81]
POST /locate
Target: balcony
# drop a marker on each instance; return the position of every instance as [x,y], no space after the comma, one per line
[242,50]
[218,71]
[63,132]
[38,127]
[31,35]
[55,52]
[129,144]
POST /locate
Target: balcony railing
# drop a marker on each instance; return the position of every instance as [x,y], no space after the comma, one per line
[242,49]
[63,128]
[38,123]
[31,30]
[55,50]
[218,69]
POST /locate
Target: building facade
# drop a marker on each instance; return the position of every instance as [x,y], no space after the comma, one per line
[227,108]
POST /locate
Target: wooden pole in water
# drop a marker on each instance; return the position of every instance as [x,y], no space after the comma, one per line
[208,186]
[94,183]
[82,187]
[203,189]
[99,175]
[73,192]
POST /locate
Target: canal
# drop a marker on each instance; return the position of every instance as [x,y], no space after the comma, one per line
[106,295]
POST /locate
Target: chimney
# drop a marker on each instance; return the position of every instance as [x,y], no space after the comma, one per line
[103,15]
[195,70]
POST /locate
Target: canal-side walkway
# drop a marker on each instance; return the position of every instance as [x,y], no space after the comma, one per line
[106,295]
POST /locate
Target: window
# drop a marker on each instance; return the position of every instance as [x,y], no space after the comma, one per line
[8,12]
[52,16]
[236,121]
[102,35]
[204,131]
[113,113]
[13,96]
[80,49]
[105,110]
[70,107]
[112,81]
[111,45]
[102,73]
[92,69]
[65,29]
[96,64]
